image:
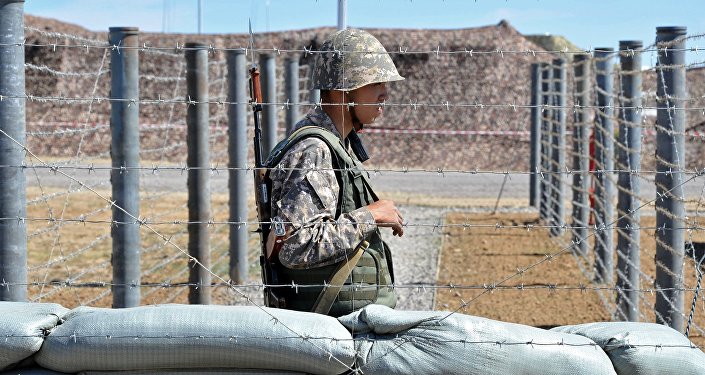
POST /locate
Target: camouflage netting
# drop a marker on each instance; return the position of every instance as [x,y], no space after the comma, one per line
[466,77]
[431,79]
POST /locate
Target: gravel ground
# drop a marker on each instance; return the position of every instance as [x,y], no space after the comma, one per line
[416,256]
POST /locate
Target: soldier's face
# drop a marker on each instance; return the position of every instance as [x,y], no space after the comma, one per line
[370,98]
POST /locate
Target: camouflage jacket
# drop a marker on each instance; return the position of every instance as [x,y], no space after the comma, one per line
[305,196]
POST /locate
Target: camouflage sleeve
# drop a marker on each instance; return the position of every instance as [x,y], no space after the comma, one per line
[305,196]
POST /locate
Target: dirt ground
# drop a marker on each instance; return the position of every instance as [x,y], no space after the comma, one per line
[551,291]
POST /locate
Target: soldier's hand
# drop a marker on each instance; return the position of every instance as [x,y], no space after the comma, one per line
[386,214]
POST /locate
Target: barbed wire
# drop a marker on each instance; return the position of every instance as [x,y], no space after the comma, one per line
[56,35]
[179,48]
[46,69]
[193,261]
[441,104]
[374,171]
[431,340]
[446,105]
[83,219]
[418,287]
[440,172]
[68,127]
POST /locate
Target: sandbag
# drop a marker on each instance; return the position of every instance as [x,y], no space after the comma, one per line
[193,372]
[435,342]
[193,336]
[22,329]
[32,371]
[643,348]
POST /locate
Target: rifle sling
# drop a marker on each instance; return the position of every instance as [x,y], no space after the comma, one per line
[327,296]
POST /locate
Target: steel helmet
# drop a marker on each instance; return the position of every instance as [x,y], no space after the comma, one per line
[350,59]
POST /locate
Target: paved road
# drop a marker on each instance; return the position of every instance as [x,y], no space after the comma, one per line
[448,185]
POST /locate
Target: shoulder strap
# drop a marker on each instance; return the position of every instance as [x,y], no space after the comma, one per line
[329,138]
[327,296]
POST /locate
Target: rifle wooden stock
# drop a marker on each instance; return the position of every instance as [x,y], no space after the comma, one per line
[262,199]
[256,87]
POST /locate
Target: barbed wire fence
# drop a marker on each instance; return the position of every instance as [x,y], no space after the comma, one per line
[618,162]
[68,136]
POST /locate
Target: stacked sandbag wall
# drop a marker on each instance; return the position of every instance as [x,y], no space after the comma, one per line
[41,339]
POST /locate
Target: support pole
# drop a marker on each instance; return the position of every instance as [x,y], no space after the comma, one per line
[199,186]
[237,151]
[546,118]
[342,14]
[292,93]
[604,164]
[558,147]
[13,199]
[628,164]
[269,107]
[125,154]
[581,154]
[535,158]
[670,159]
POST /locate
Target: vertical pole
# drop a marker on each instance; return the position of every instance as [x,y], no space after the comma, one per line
[670,159]
[292,92]
[237,151]
[200,16]
[604,164]
[558,146]
[628,163]
[342,14]
[125,154]
[581,154]
[535,159]
[199,186]
[546,99]
[13,199]
[269,97]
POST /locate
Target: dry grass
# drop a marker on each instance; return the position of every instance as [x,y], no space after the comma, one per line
[485,256]
[70,249]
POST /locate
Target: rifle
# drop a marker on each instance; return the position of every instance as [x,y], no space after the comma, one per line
[262,188]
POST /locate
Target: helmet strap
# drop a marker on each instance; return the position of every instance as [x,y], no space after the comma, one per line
[353,115]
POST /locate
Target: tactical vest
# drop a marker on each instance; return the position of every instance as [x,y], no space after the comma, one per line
[372,278]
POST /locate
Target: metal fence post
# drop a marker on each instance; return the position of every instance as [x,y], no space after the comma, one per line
[670,160]
[125,154]
[292,93]
[604,164]
[199,186]
[237,151]
[558,149]
[535,159]
[581,154]
[269,108]
[13,200]
[628,163]
[546,101]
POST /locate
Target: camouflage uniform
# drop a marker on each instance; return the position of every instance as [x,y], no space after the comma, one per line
[305,197]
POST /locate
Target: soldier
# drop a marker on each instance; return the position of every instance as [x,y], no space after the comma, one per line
[321,193]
